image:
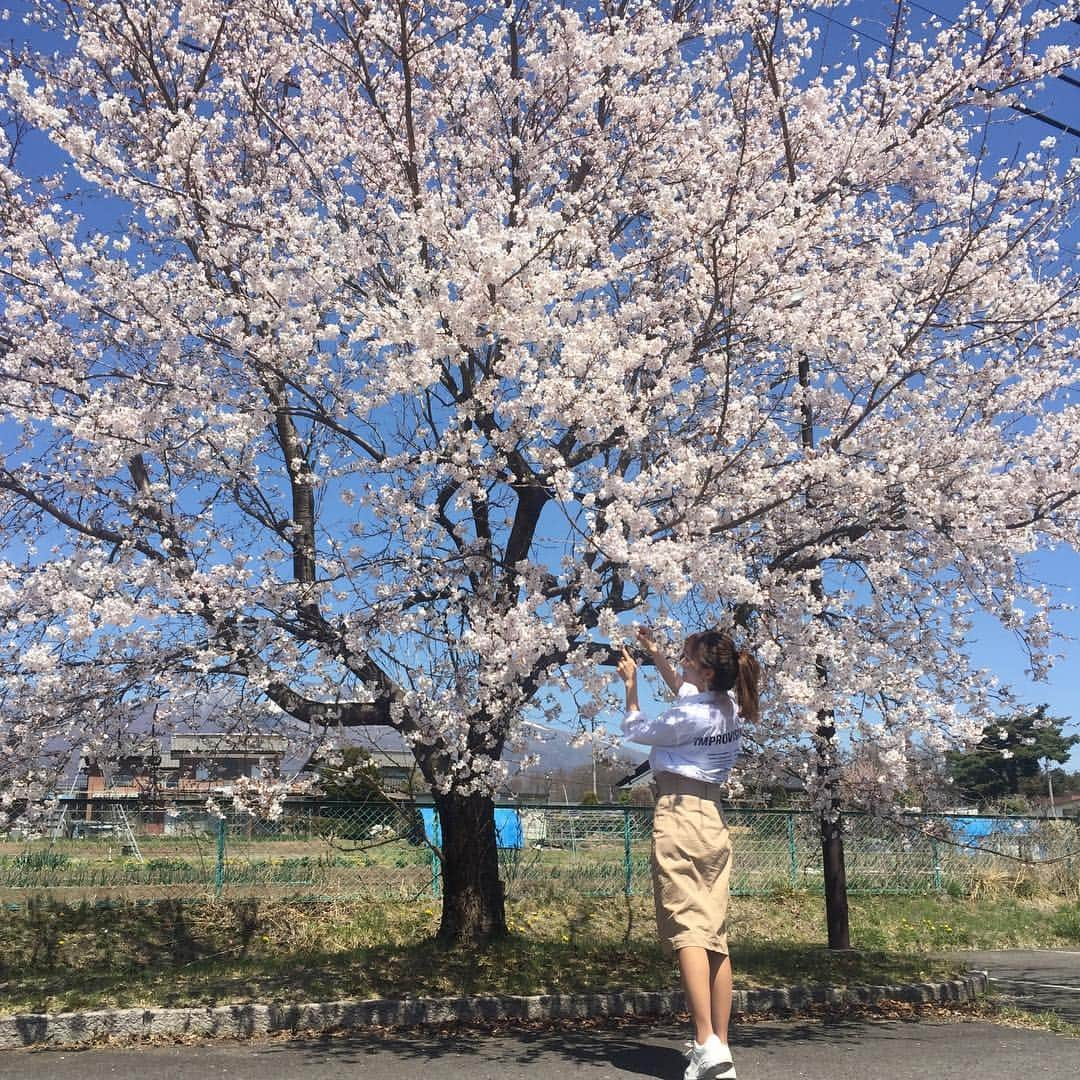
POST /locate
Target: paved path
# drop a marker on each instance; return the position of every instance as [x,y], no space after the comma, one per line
[883,1050]
[1039,980]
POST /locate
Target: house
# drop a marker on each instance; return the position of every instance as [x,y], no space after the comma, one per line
[154,779]
[641,777]
[193,764]
[398,771]
[1064,805]
[399,774]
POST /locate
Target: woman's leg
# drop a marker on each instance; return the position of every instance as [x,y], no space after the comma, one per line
[706,979]
[695,967]
[720,993]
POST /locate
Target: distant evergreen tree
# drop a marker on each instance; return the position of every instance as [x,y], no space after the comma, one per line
[1009,754]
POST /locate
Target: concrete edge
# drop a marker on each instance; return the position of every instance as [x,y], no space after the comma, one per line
[247,1021]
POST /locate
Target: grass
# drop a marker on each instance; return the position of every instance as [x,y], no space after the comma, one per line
[170,953]
[1012,1016]
[933,924]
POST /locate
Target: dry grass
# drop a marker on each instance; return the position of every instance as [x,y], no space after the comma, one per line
[56,957]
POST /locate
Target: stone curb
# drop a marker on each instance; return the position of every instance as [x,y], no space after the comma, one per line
[246,1021]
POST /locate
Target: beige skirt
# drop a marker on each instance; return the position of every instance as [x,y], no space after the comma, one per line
[691,864]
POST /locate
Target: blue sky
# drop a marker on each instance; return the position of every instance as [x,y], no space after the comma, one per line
[996,649]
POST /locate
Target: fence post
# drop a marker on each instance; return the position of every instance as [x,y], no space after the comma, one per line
[628,860]
[793,854]
[935,854]
[434,874]
[219,871]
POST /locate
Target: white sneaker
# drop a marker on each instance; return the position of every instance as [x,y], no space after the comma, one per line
[710,1060]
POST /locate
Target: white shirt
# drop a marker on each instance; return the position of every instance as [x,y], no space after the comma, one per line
[699,736]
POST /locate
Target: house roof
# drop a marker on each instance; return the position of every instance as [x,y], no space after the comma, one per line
[208,744]
[638,778]
[222,742]
[380,757]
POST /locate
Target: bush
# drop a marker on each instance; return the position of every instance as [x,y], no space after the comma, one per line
[1067,923]
[169,871]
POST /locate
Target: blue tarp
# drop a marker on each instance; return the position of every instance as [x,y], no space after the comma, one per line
[508,832]
[974,827]
[976,833]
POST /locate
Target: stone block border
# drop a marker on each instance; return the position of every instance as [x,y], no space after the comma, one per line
[247,1021]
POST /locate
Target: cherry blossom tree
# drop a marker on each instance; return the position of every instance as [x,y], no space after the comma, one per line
[372,359]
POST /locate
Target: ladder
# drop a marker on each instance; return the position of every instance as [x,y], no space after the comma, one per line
[61,817]
[133,844]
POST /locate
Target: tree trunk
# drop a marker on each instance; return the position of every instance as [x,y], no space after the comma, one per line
[474,909]
[832,838]
[836,901]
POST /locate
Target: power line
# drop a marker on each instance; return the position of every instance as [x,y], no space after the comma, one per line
[1060,125]
[1023,109]
[847,26]
[952,22]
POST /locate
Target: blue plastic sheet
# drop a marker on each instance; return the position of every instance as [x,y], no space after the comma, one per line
[508,831]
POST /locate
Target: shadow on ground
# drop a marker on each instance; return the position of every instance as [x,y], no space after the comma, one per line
[647,1051]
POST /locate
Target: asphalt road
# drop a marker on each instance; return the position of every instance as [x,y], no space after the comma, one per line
[1036,980]
[876,1050]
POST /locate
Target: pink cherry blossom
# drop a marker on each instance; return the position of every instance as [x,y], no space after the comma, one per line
[366,364]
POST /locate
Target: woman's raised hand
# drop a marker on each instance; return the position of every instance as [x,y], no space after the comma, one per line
[656,654]
[647,641]
[626,667]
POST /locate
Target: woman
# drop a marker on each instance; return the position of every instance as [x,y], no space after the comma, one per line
[694,745]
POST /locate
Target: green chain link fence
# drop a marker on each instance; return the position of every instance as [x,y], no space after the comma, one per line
[385,850]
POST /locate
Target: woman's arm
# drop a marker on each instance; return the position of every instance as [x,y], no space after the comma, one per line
[656,654]
[627,670]
[677,726]
[674,727]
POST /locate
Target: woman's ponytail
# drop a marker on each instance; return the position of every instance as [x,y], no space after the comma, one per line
[747,680]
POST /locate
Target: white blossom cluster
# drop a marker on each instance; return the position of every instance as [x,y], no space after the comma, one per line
[369,363]
[259,796]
